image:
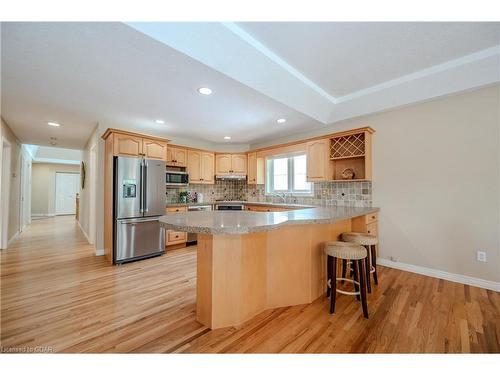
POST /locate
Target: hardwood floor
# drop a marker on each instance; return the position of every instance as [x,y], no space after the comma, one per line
[55,293]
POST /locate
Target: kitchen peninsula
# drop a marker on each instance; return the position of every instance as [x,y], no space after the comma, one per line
[252,261]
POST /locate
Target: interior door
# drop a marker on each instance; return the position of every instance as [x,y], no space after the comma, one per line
[67,185]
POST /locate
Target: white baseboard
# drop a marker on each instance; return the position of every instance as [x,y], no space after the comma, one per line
[43,215]
[12,238]
[468,280]
[83,231]
[99,252]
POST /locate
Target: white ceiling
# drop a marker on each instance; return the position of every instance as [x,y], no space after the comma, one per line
[81,74]
[345,57]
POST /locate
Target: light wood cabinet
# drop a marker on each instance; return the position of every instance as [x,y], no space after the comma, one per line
[153,149]
[127,145]
[319,167]
[351,151]
[239,163]
[263,208]
[207,167]
[200,167]
[131,145]
[177,156]
[256,169]
[223,164]
[366,224]
[174,237]
[231,164]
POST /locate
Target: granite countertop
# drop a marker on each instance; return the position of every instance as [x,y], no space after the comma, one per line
[239,202]
[241,222]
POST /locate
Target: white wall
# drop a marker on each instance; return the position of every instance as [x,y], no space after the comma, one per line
[17,153]
[85,194]
[43,187]
[436,178]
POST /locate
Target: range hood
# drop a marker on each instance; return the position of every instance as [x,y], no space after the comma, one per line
[230,177]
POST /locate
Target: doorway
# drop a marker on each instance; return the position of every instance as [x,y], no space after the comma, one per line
[67,185]
[5,153]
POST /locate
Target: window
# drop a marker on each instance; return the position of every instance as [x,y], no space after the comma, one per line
[287,174]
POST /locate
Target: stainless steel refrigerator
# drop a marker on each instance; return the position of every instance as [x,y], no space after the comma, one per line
[139,201]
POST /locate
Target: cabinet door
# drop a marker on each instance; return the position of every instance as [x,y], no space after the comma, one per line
[252,168]
[223,164]
[154,149]
[318,160]
[127,145]
[239,164]
[180,155]
[261,171]
[170,155]
[194,166]
[207,167]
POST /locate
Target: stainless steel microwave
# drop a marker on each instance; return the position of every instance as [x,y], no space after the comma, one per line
[176,178]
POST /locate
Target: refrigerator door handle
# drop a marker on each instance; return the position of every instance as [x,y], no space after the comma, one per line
[141,180]
[145,188]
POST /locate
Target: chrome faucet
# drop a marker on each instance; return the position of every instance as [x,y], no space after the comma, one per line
[282,196]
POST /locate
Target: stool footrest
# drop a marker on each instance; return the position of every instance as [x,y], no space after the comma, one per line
[329,282]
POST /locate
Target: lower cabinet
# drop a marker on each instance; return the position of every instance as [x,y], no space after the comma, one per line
[173,237]
[262,208]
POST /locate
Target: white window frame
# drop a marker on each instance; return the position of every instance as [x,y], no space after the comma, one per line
[270,173]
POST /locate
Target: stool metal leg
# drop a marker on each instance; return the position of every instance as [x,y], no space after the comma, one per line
[362,286]
[333,285]
[367,270]
[356,270]
[329,263]
[374,263]
[344,269]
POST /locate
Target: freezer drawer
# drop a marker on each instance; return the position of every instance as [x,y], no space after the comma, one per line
[138,238]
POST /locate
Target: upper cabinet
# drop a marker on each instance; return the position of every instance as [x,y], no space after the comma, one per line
[200,166]
[351,155]
[256,172]
[153,149]
[319,167]
[231,164]
[239,163]
[344,156]
[177,156]
[126,144]
[207,167]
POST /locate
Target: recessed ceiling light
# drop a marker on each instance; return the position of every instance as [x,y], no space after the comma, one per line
[53,124]
[281,120]
[204,91]
[227,137]
[160,121]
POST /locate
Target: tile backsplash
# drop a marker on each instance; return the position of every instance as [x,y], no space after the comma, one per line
[349,193]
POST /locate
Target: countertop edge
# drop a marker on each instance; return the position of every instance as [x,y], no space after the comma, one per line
[267,227]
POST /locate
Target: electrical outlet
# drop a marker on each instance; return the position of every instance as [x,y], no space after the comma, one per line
[481,256]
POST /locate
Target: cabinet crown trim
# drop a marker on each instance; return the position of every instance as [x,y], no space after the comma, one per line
[110,131]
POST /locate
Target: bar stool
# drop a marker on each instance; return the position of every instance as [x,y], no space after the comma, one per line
[358,255]
[369,241]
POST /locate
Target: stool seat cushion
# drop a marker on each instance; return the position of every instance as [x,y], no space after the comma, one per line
[364,239]
[345,250]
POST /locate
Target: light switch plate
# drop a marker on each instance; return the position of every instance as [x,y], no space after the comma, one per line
[481,256]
